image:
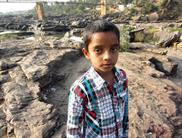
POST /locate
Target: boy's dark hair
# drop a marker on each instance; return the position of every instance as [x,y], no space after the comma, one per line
[99,26]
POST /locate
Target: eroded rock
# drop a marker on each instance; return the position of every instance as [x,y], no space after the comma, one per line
[28,116]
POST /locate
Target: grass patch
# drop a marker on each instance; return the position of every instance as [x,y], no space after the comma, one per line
[175,30]
[152,30]
[149,38]
[4,37]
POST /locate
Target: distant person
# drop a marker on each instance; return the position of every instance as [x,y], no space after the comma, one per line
[98,100]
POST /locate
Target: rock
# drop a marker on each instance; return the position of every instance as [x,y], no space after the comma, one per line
[155,73]
[137,35]
[170,69]
[76,32]
[55,28]
[16,59]
[53,44]
[72,41]
[27,116]
[78,24]
[177,121]
[34,88]
[179,45]
[40,65]
[139,18]
[180,39]
[5,65]
[18,76]
[75,23]
[76,42]
[167,39]
[170,10]
[16,96]
[34,67]
[3,126]
[4,78]
[153,17]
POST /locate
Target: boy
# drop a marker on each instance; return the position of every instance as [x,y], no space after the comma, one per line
[98,101]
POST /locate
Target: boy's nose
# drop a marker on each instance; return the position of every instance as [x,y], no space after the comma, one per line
[107,55]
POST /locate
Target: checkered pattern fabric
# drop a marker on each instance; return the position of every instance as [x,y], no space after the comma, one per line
[96,109]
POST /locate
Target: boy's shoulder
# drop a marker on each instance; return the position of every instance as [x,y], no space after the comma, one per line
[121,72]
[84,77]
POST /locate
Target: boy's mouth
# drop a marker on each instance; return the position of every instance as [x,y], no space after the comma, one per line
[108,65]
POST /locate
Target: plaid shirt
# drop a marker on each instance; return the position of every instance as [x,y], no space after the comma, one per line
[96,109]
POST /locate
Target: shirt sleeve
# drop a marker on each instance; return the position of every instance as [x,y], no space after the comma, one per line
[125,118]
[75,113]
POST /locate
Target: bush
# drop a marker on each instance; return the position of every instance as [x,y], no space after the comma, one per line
[149,7]
[133,11]
[176,30]
[149,38]
[125,37]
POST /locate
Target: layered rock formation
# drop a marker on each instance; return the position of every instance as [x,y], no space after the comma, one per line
[25,71]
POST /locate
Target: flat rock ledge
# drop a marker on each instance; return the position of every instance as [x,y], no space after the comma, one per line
[23,109]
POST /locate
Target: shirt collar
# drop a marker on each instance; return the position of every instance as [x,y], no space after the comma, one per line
[98,80]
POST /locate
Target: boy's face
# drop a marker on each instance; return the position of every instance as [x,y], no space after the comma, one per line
[103,51]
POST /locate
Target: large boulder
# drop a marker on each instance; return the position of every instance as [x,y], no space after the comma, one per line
[168,68]
[167,39]
[137,35]
[153,17]
[26,116]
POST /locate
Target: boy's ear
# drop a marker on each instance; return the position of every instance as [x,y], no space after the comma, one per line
[86,53]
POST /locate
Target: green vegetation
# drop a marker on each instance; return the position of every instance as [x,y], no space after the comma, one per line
[124,2]
[125,37]
[140,6]
[152,30]
[4,37]
[133,11]
[149,7]
[58,8]
[176,30]
[63,9]
[74,8]
[146,6]
[149,37]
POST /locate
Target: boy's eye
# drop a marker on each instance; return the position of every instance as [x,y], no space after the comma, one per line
[97,50]
[115,49]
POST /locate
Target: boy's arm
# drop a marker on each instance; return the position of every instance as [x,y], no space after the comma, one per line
[75,114]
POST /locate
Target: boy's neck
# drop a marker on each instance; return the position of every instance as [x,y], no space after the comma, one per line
[108,77]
